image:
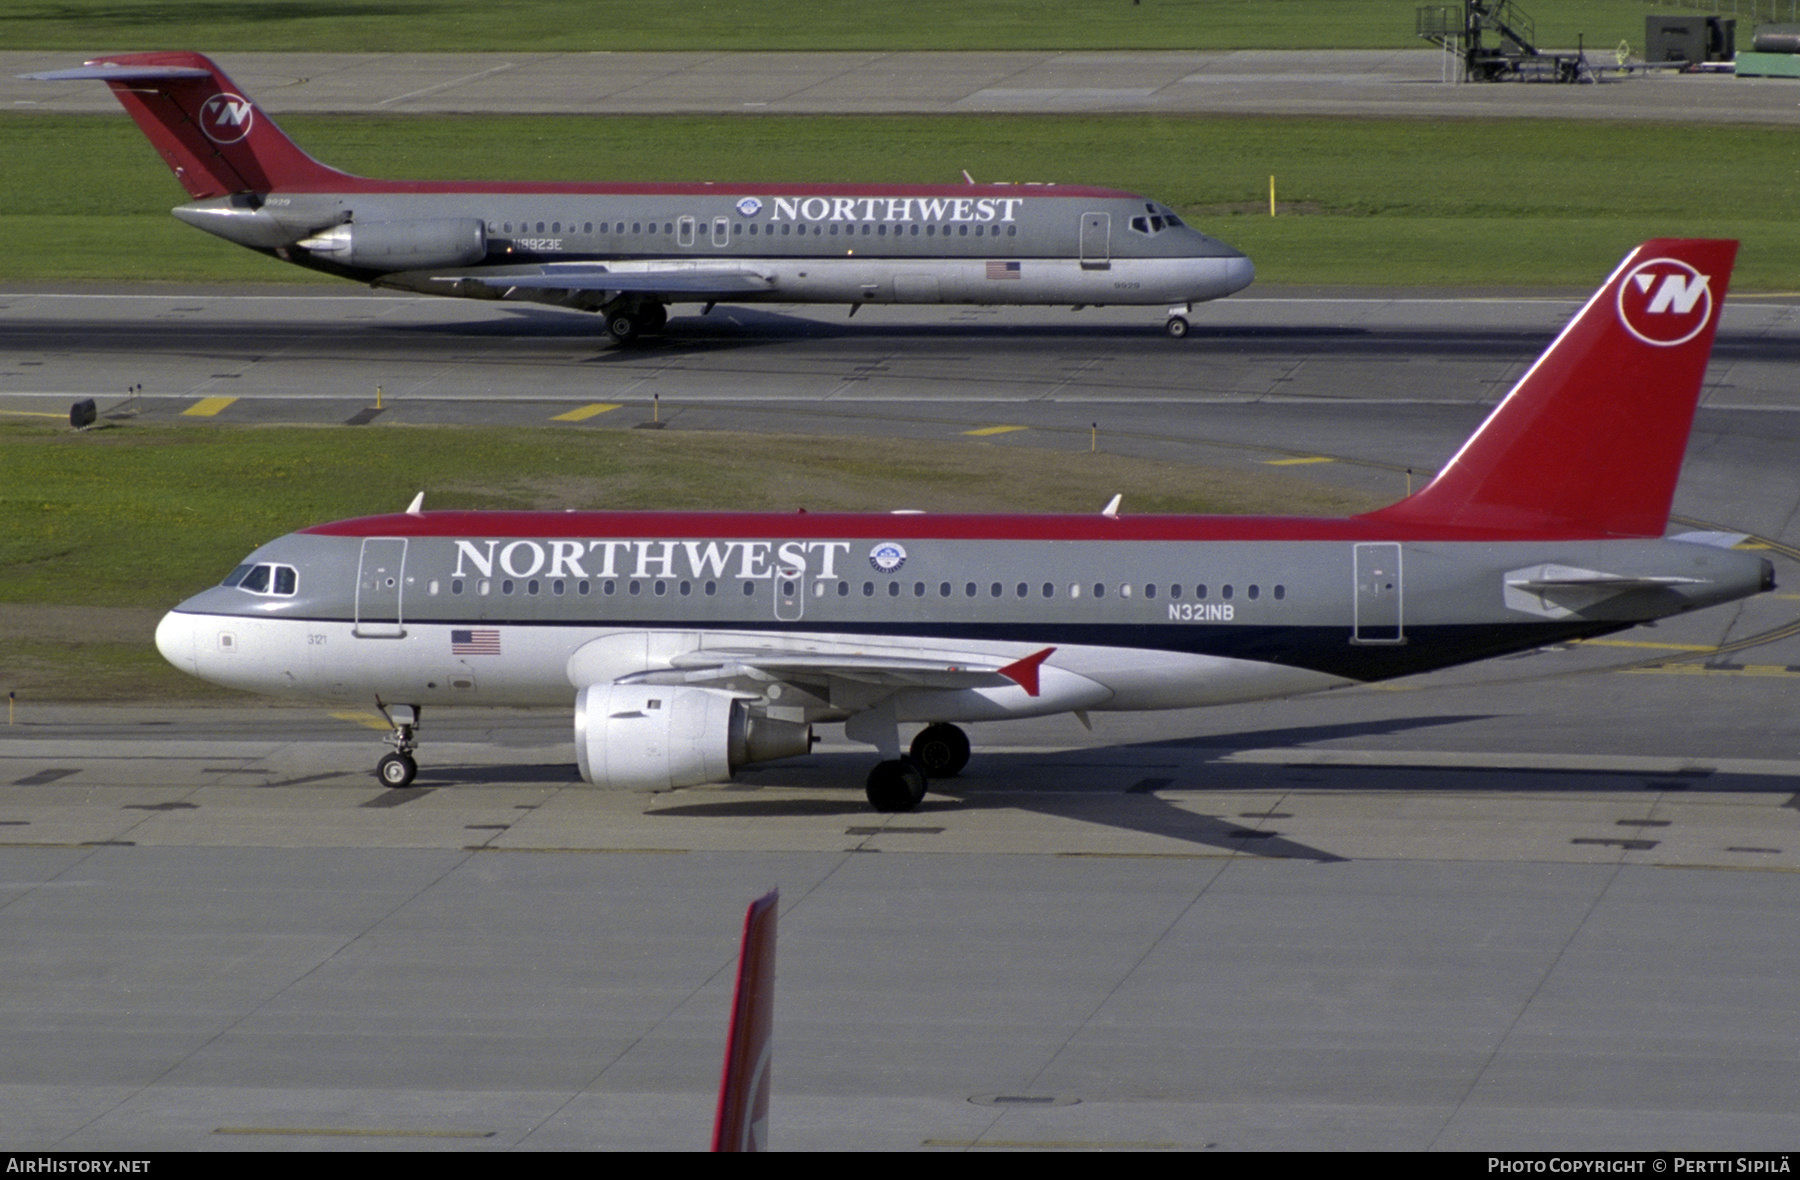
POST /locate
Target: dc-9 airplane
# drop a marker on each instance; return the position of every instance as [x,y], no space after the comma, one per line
[628,251]
[691,643]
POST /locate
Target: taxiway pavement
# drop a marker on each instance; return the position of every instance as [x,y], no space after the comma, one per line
[1406,83]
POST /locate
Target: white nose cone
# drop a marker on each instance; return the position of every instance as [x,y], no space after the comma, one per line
[175,640]
[1239,273]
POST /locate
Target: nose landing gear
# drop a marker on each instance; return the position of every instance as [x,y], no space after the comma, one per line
[398,769]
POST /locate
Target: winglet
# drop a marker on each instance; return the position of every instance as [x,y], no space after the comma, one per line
[743,1119]
[1025,672]
[1590,440]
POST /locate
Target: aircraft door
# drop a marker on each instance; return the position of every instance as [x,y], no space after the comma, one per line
[1096,241]
[379,581]
[790,594]
[684,231]
[1379,617]
[721,232]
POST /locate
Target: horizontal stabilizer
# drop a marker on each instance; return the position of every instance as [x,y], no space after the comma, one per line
[1715,539]
[1551,577]
[1559,591]
[117,72]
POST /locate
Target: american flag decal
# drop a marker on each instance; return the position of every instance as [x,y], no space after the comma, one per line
[1002,270]
[475,643]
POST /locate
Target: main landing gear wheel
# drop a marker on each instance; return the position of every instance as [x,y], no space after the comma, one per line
[941,750]
[396,770]
[629,325]
[623,327]
[896,785]
[1177,327]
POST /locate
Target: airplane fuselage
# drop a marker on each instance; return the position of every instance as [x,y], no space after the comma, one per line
[1142,613]
[1006,244]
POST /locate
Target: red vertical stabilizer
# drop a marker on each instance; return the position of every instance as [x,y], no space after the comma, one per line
[215,139]
[743,1120]
[1590,441]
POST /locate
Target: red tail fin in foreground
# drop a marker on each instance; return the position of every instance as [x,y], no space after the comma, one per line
[1591,438]
[217,141]
[743,1119]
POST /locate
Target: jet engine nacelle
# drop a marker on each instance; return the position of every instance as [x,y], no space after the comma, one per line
[652,737]
[403,245]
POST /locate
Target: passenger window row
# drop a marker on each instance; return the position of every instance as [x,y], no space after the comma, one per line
[662,587]
[787,229]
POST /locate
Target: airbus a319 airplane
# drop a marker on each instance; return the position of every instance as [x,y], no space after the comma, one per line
[691,643]
[627,251]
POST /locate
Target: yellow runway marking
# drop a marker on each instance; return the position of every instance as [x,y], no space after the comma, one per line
[1296,462]
[1703,670]
[206,407]
[33,414]
[995,430]
[583,413]
[1639,643]
[371,720]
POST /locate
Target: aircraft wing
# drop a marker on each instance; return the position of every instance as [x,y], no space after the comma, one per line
[826,671]
[721,666]
[668,282]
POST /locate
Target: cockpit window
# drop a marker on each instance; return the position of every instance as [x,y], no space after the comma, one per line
[1158,220]
[282,580]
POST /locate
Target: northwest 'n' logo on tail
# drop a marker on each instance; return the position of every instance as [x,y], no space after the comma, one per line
[227,118]
[1590,441]
[215,140]
[1664,301]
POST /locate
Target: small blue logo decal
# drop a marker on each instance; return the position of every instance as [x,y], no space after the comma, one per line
[887,557]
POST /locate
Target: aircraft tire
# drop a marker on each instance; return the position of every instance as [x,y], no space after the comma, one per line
[1177,327]
[896,785]
[941,750]
[396,770]
[652,318]
[623,327]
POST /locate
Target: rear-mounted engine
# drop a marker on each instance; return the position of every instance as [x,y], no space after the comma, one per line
[402,245]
